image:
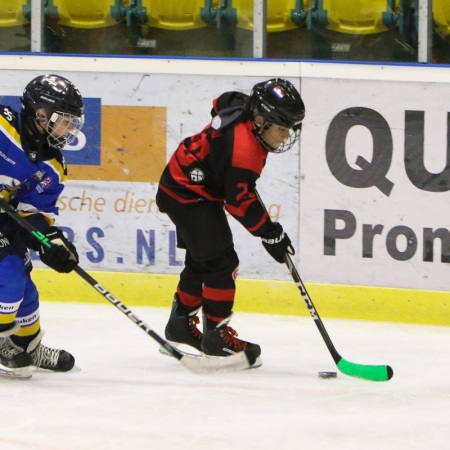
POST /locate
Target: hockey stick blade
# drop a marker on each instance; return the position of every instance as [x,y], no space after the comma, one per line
[235,362]
[202,365]
[367,372]
[232,363]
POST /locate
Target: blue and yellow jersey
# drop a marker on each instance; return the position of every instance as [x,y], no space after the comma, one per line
[32,187]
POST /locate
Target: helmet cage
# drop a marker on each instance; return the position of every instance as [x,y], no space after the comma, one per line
[289,142]
[62,129]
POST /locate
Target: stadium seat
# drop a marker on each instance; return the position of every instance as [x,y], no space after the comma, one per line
[11,14]
[282,15]
[216,11]
[298,15]
[85,13]
[352,16]
[175,14]
[278,14]
[441,16]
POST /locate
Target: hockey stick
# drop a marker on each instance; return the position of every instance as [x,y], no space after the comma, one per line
[238,361]
[368,372]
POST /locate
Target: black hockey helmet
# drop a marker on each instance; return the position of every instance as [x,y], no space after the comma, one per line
[279,103]
[61,101]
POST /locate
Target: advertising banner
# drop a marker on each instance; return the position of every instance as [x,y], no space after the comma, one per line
[363,197]
[375,182]
[133,124]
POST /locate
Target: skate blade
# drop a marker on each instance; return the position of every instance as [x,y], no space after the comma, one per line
[74,369]
[217,364]
[163,351]
[257,363]
[202,356]
[21,373]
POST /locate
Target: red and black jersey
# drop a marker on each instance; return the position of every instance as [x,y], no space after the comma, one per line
[219,165]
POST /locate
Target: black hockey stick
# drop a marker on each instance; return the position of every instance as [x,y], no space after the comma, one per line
[238,361]
[368,372]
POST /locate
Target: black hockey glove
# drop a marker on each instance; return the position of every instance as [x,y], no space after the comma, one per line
[62,256]
[277,243]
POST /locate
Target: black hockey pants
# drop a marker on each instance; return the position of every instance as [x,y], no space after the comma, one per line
[208,278]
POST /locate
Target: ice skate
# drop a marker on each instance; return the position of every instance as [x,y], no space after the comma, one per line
[182,327]
[223,341]
[51,359]
[14,361]
[45,358]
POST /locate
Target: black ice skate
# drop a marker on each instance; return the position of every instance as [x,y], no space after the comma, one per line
[14,361]
[182,327]
[223,341]
[46,358]
[52,359]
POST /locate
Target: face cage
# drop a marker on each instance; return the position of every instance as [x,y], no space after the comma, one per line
[67,128]
[288,143]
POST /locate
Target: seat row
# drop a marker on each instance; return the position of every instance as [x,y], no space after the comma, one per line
[343,16]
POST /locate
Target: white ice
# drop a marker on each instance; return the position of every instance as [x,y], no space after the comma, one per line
[129,396]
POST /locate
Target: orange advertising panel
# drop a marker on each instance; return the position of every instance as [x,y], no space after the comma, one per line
[132,147]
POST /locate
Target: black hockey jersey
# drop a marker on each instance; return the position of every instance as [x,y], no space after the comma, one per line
[220,164]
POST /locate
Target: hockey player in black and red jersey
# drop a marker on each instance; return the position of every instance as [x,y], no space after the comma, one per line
[214,172]
[32,176]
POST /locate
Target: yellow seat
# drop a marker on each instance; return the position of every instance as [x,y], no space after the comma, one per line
[356,16]
[85,13]
[278,14]
[11,14]
[441,15]
[175,14]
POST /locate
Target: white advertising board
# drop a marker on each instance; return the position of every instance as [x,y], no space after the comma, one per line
[134,123]
[375,182]
[365,201]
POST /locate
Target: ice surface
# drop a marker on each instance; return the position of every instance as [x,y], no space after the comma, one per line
[129,396]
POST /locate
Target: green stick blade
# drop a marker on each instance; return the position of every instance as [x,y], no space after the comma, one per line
[368,372]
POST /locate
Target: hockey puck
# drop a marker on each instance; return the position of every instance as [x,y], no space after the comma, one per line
[327,374]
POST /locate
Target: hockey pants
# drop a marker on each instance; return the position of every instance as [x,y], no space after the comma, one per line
[211,263]
[19,299]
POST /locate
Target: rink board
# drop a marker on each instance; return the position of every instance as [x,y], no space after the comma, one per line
[259,296]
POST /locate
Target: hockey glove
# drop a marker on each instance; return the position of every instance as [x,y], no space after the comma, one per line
[277,243]
[62,256]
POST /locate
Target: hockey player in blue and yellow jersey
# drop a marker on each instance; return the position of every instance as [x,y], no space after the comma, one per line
[32,176]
